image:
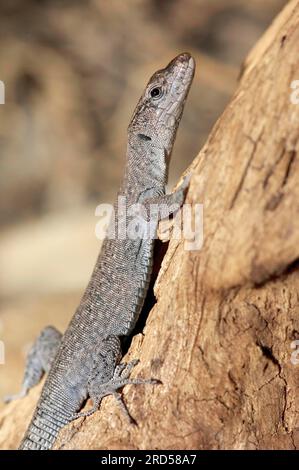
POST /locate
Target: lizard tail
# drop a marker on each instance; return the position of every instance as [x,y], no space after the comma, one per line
[43,430]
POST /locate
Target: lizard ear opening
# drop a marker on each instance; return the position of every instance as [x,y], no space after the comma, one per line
[144,137]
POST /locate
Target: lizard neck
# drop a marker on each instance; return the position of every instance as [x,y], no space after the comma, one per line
[146,167]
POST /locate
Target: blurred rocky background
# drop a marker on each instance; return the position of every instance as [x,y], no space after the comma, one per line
[73,72]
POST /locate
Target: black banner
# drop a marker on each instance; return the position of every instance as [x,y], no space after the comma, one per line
[135,458]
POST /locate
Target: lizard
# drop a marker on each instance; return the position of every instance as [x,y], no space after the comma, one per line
[85,361]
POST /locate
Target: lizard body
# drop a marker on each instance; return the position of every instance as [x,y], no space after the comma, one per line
[85,360]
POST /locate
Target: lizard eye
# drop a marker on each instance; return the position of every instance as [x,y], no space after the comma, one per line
[156,92]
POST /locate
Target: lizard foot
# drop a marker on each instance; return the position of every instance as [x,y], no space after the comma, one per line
[121,377]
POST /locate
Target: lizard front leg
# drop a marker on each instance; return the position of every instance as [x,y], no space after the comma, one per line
[39,360]
[166,204]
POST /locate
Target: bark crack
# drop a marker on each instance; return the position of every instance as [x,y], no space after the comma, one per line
[242,180]
[289,167]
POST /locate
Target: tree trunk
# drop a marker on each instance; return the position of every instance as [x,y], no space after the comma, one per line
[220,334]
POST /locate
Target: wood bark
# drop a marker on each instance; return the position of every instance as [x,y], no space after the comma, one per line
[219,336]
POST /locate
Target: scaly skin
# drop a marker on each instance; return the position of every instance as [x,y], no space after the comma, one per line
[86,363]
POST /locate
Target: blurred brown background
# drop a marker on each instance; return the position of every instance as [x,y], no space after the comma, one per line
[73,72]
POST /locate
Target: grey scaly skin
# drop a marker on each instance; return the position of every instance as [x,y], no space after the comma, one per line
[85,362]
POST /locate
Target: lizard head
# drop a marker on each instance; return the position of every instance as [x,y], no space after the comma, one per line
[158,112]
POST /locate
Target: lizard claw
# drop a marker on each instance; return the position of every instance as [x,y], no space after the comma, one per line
[186,181]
